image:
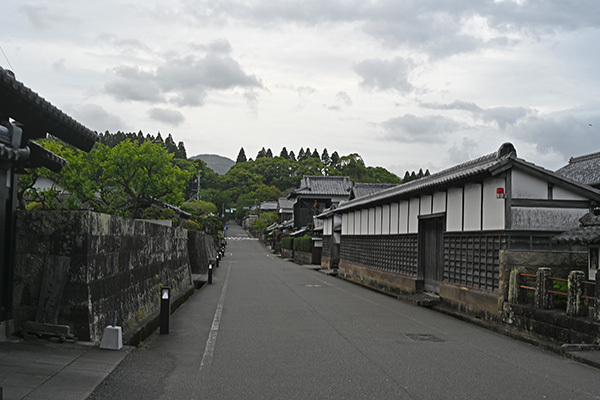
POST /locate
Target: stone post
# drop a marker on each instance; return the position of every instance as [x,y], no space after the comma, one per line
[543,300]
[575,291]
[514,291]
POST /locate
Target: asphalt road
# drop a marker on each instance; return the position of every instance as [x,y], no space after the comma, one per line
[271,329]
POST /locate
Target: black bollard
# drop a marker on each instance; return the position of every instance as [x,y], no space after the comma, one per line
[210,273]
[165,309]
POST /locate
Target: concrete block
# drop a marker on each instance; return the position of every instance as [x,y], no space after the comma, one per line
[112,339]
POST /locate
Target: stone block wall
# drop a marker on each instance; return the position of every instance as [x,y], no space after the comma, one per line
[202,248]
[115,264]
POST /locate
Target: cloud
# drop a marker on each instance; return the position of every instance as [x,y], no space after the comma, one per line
[303,93]
[502,116]
[43,17]
[97,118]
[183,80]
[434,28]
[380,74]
[59,65]
[569,133]
[171,117]
[251,97]
[342,97]
[413,129]
[132,83]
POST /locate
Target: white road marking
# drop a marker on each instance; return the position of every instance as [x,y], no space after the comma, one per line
[211,343]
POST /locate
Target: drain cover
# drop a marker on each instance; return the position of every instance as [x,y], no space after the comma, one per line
[422,337]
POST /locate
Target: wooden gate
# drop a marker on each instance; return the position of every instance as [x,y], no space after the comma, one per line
[431,252]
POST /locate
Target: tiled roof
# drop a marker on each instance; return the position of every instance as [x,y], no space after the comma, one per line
[584,169]
[323,186]
[488,165]
[366,189]
[587,233]
[285,204]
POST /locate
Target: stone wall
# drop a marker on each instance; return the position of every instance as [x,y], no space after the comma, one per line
[202,248]
[115,264]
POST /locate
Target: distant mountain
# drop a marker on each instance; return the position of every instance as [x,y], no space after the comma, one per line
[217,163]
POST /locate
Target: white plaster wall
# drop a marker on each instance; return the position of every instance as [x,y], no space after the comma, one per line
[454,214]
[394,210]
[403,217]
[525,186]
[357,227]
[345,224]
[385,219]
[472,201]
[327,226]
[413,215]
[493,208]
[426,204]
[371,230]
[364,221]
[378,219]
[351,223]
[559,193]
[439,202]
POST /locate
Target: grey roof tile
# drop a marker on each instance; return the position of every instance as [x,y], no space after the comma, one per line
[584,169]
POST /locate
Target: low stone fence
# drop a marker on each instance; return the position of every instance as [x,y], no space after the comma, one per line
[83,266]
[564,309]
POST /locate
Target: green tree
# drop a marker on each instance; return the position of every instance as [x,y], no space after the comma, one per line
[269,153]
[335,157]
[325,157]
[262,153]
[315,154]
[301,154]
[199,208]
[170,144]
[180,153]
[284,153]
[241,158]
[292,156]
[122,180]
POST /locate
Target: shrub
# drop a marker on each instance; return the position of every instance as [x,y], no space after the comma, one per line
[287,243]
[303,244]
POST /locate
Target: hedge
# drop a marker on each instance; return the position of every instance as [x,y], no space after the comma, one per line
[287,243]
[303,244]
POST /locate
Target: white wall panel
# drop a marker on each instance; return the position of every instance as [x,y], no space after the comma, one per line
[426,204]
[394,210]
[378,220]
[385,219]
[413,215]
[371,221]
[525,186]
[439,202]
[364,221]
[472,210]
[345,224]
[454,214]
[403,217]
[493,208]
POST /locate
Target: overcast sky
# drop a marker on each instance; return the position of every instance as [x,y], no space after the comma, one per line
[406,84]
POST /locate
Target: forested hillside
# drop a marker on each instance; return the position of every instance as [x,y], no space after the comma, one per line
[126,172]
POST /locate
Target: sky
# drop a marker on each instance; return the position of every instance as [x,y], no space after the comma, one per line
[405,84]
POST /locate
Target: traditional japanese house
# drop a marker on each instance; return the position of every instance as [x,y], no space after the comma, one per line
[317,193]
[457,233]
